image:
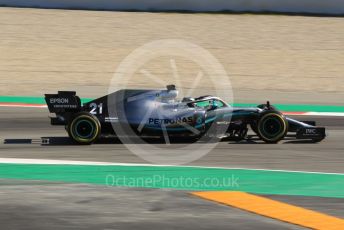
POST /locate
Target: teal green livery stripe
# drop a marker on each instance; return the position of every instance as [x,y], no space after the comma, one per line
[282,107]
[184,178]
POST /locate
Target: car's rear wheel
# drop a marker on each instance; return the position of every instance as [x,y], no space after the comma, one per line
[84,128]
[272,127]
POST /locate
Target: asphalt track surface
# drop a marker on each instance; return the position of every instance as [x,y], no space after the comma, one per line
[66,206]
[97,207]
[19,125]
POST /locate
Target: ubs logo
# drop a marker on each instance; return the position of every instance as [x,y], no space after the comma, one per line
[311,131]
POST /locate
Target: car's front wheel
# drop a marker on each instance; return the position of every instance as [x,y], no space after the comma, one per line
[84,128]
[272,127]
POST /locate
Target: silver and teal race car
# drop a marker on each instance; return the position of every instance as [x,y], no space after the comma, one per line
[158,113]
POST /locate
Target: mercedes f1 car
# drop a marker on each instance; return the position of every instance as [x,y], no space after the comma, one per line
[148,113]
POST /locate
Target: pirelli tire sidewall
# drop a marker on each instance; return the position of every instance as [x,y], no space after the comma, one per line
[87,123]
[279,124]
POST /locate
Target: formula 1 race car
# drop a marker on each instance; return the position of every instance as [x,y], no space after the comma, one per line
[157,113]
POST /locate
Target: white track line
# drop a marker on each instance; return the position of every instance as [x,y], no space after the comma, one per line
[330,114]
[324,114]
[95,163]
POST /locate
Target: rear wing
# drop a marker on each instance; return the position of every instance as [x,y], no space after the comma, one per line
[63,101]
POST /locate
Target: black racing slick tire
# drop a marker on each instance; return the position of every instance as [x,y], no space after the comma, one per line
[272,127]
[84,128]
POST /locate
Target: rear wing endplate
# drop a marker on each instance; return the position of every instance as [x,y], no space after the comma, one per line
[63,101]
